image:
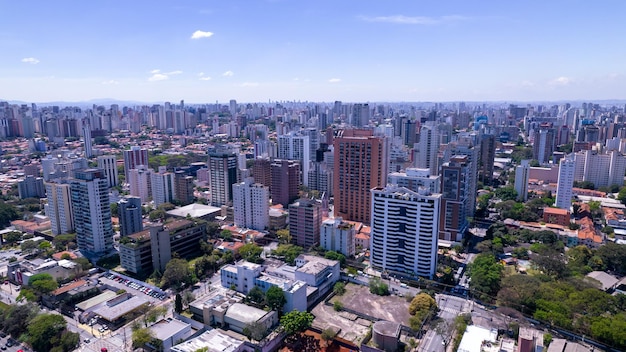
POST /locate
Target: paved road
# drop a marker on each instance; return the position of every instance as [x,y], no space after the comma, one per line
[449,308]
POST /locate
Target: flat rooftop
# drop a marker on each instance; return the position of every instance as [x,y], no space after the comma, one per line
[121,309]
[195,211]
[216,341]
[165,329]
[94,301]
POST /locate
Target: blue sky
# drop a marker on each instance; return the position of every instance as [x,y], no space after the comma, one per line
[323,50]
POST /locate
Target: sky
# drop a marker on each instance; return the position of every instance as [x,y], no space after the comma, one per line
[317,50]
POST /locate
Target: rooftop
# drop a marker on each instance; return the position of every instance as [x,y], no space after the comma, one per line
[216,341]
[195,211]
[69,287]
[94,301]
[165,329]
[606,280]
[115,312]
[244,313]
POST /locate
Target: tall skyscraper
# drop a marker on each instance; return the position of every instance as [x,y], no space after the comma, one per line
[31,187]
[454,195]
[251,205]
[183,188]
[487,157]
[261,171]
[428,147]
[338,235]
[285,176]
[296,147]
[543,145]
[162,183]
[92,211]
[360,115]
[129,214]
[223,174]
[522,173]
[414,179]
[139,180]
[360,165]
[404,232]
[108,163]
[305,218]
[567,168]
[133,158]
[87,138]
[59,207]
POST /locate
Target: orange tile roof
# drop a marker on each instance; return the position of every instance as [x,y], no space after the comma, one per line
[69,287]
[556,211]
[588,231]
[57,256]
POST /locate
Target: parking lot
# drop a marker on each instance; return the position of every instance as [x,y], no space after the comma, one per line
[132,287]
[9,344]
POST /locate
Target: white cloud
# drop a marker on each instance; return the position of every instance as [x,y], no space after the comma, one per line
[201,34]
[528,84]
[560,81]
[205,78]
[418,20]
[111,82]
[334,80]
[228,74]
[200,74]
[30,60]
[158,77]
[250,84]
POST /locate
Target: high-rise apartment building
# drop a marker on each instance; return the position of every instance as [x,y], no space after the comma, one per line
[162,184]
[31,187]
[129,215]
[262,172]
[601,169]
[133,158]
[414,179]
[59,207]
[543,145]
[305,218]
[487,157]
[87,138]
[321,178]
[361,161]
[223,174]
[251,205]
[338,235]
[522,173]
[428,146]
[565,183]
[285,181]
[183,188]
[139,180]
[404,231]
[454,195]
[360,115]
[296,147]
[92,211]
[108,163]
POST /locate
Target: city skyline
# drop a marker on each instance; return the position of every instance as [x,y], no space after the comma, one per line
[319,51]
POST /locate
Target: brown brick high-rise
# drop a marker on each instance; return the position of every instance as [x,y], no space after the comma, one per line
[360,165]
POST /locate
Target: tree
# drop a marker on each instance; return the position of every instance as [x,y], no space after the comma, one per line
[43,283]
[176,273]
[275,298]
[178,303]
[158,214]
[255,331]
[420,302]
[284,235]
[378,287]
[506,193]
[332,255]
[328,335]
[296,321]
[485,274]
[289,251]
[256,295]
[8,213]
[339,288]
[251,252]
[12,237]
[84,263]
[44,329]
[153,314]
[337,306]
[141,337]
[28,246]
[64,242]
[114,209]
[17,317]
[226,235]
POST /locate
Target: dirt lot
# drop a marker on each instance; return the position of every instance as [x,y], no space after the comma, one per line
[391,308]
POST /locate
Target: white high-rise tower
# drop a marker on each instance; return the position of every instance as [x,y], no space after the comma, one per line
[567,168]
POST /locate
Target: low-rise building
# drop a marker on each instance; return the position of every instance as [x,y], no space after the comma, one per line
[169,332]
[339,236]
[215,340]
[556,216]
[21,272]
[150,249]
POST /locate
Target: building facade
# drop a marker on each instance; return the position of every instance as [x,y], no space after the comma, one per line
[59,207]
[305,218]
[251,205]
[129,214]
[567,169]
[108,163]
[404,231]
[285,176]
[339,236]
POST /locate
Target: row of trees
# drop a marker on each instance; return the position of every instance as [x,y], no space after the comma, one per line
[44,332]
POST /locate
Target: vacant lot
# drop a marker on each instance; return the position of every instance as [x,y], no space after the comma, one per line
[359,298]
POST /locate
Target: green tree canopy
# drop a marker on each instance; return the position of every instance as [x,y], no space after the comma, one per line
[422,301]
[251,252]
[45,329]
[296,321]
[176,273]
[275,298]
